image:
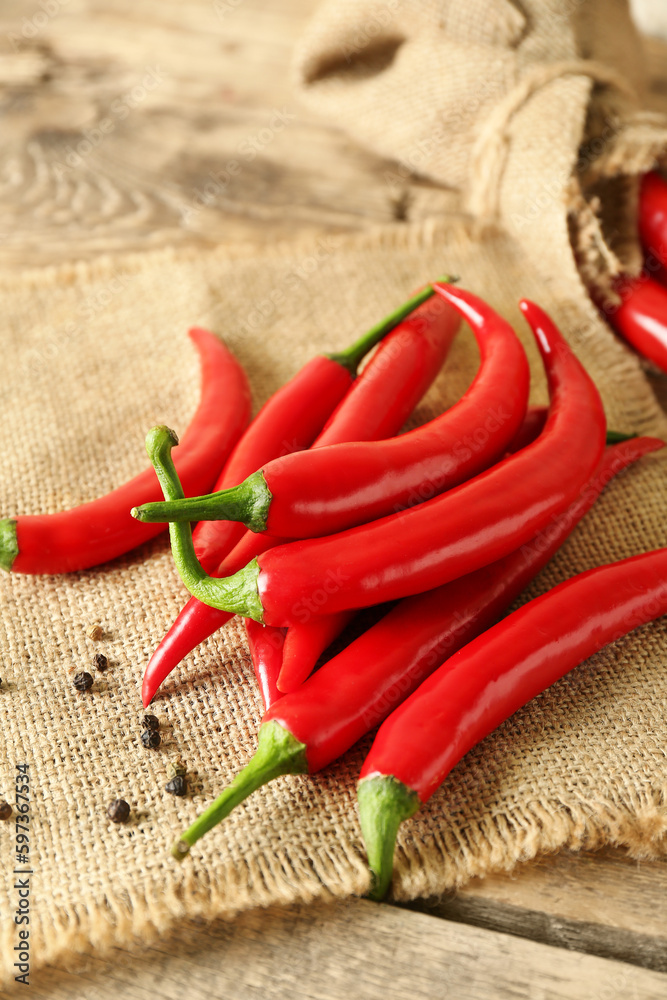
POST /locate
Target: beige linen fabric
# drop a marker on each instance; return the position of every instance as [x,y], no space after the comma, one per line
[583,764]
[93,355]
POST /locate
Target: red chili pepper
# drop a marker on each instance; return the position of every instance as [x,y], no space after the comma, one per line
[312,493]
[305,643]
[353,692]
[266,650]
[378,404]
[95,532]
[531,428]
[441,539]
[290,420]
[653,222]
[487,681]
[641,317]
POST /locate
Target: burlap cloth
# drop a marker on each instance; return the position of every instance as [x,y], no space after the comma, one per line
[93,355]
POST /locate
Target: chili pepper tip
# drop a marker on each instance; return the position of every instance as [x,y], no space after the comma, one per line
[9,546]
[384,802]
[278,752]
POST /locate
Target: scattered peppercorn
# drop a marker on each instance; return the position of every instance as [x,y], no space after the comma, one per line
[176,786]
[95,632]
[100,661]
[83,681]
[150,738]
[150,722]
[176,768]
[5,810]
[118,811]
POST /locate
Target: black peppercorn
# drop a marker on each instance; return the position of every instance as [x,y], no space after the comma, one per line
[83,681]
[5,810]
[150,722]
[150,738]
[118,811]
[176,786]
[100,661]
[176,767]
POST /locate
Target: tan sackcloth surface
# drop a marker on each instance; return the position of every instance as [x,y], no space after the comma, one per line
[95,355]
[583,764]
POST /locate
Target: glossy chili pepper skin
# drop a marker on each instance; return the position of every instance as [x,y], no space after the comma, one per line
[319,493]
[488,680]
[266,651]
[305,643]
[354,691]
[314,493]
[530,429]
[378,404]
[446,537]
[103,529]
[653,223]
[289,421]
[641,317]
[419,338]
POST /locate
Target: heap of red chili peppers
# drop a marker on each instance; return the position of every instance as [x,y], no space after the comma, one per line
[420,520]
[319,510]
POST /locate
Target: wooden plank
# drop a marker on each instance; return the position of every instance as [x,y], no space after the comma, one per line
[602,903]
[348,949]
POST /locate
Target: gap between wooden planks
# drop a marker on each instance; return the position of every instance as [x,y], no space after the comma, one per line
[352,949]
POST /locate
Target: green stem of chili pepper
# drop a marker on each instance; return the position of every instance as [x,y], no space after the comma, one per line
[278,752]
[616,437]
[248,502]
[9,546]
[241,588]
[383,805]
[351,356]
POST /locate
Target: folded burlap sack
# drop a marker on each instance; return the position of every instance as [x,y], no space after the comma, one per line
[93,355]
[531,110]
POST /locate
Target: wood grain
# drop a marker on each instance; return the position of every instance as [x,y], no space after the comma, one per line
[603,903]
[121,122]
[354,949]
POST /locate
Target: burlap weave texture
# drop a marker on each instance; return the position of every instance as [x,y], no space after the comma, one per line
[583,764]
[95,355]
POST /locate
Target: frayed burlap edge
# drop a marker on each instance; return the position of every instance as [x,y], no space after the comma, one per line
[139,919]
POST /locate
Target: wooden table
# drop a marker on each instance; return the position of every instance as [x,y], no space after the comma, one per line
[183,85]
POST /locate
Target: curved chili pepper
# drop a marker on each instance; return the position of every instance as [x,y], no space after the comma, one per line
[378,404]
[353,692]
[531,428]
[266,650]
[487,681]
[312,493]
[441,539]
[653,222]
[95,532]
[291,419]
[641,317]
[305,642]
